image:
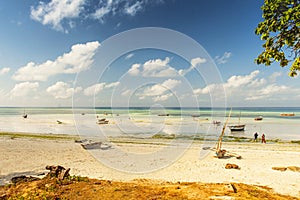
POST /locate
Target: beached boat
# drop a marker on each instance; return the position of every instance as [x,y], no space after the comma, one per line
[287,114]
[237,127]
[24,115]
[258,118]
[102,121]
[163,115]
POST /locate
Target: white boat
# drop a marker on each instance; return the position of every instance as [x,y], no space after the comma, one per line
[237,127]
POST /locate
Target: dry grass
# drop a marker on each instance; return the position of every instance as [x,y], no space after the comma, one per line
[85,188]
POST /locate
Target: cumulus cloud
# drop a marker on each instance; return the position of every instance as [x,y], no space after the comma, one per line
[4,70]
[78,59]
[55,12]
[238,81]
[160,91]
[153,68]
[62,90]
[194,63]
[161,68]
[241,88]
[223,59]
[24,89]
[97,88]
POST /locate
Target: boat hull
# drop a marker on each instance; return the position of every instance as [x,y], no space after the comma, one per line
[237,127]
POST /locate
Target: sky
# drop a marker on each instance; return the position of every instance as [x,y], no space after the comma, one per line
[94,53]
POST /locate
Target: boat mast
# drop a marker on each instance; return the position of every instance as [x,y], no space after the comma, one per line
[219,144]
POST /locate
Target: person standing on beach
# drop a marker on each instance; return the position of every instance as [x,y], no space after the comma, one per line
[263,138]
[255,136]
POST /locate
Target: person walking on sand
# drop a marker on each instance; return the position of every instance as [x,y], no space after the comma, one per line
[263,138]
[255,136]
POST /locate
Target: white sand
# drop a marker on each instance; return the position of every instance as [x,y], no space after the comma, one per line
[30,156]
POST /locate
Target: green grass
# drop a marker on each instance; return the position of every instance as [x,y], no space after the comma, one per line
[38,136]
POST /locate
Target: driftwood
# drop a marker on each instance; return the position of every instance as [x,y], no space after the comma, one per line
[291,168]
[19,179]
[58,171]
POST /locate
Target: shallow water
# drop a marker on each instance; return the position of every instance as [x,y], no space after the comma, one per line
[145,122]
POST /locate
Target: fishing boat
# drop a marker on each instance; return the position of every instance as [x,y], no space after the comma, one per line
[102,121]
[237,127]
[163,115]
[24,115]
[258,118]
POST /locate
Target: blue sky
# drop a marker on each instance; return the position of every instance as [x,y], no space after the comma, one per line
[45,45]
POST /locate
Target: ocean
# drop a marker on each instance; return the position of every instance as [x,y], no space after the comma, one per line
[143,122]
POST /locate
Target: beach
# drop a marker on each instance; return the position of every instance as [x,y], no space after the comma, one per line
[29,156]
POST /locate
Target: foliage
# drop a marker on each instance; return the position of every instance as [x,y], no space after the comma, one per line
[280,31]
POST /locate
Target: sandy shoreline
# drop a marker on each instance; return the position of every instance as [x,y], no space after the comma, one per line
[29,156]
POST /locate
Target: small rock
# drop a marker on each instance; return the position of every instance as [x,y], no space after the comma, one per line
[231,166]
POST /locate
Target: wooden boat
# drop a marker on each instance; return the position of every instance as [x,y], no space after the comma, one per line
[102,121]
[162,115]
[24,115]
[258,118]
[238,127]
[287,114]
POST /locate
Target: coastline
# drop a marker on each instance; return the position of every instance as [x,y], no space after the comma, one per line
[29,156]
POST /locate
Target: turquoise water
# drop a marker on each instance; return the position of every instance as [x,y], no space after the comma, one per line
[146,122]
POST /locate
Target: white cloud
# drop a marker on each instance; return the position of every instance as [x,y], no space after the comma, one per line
[105,9]
[241,89]
[153,68]
[162,97]
[78,59]
[97,88]
[134,8]
[160,91]
[24,89]
[194,63]
[223,59]
[112,85]
[274,76]
[61,13]
[134,70]
[126,93]
[94,89]
[237,81]
[56,11]
[62,90]
[197,61]
[127,7]
[4,70]
[129,56]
